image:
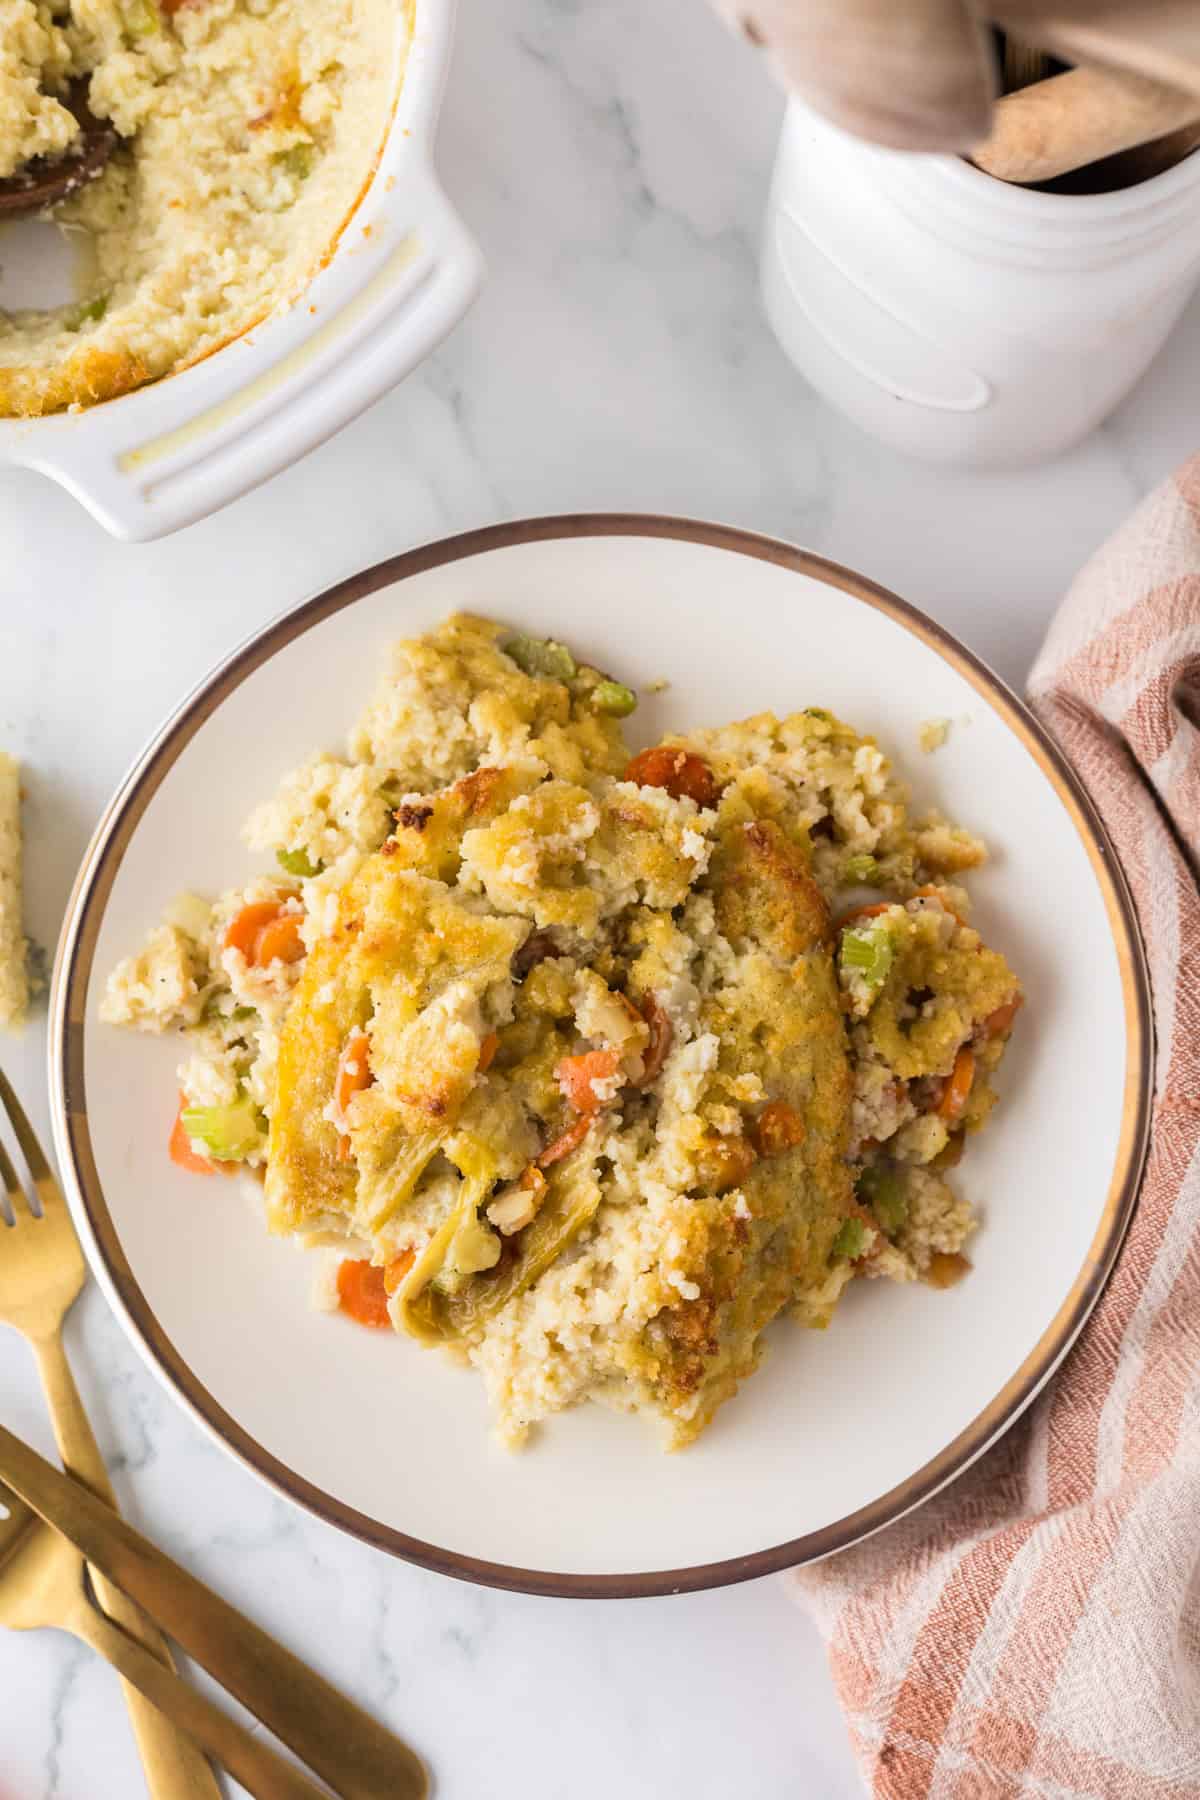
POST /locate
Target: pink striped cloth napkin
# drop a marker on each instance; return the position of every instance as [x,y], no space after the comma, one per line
[1035,1630]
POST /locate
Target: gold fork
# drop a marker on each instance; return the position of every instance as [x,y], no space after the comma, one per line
[43,1582]
[358,1757]
[41,1272]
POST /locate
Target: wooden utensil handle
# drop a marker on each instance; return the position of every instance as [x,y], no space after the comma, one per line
[248,1759]
[174,1768]
[1077,118]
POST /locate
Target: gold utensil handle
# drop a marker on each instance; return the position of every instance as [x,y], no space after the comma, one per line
[354,1753]
[247,1758]
[173,1766]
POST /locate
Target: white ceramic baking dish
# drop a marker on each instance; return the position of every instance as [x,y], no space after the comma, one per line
[403,272]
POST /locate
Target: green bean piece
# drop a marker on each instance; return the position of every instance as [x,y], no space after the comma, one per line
[883,1190]
[849,1241]
[540,656]
[614,698]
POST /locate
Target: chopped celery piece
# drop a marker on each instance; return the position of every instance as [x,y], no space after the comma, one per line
[297,159]
[226,1133]
[87,312]
[818,712]
[882,1189]
[568,1207]
[868,953]
[298,862]
[614,697]
[849,1241]
[216,1008]
[386,1182]
[860,868]
[540,656]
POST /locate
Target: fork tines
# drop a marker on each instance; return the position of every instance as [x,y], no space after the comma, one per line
[45,1186]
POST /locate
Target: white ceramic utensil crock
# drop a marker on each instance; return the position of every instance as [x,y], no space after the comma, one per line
[402,273]
[959,318]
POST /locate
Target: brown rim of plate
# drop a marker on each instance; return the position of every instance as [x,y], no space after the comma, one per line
[68,1092]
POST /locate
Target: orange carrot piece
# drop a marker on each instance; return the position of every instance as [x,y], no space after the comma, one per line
[362,1294]
[279,940]
[683,774]
[242,931]
[354,1070]
[487,1052]
[265,930]
[568,1140]
[1000,1021]
[575,1075]
[862,912]
[179,1148]
[958,1086]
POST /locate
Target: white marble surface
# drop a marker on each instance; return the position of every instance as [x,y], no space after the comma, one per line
[612,158]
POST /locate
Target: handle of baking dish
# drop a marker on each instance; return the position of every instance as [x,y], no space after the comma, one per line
[403,275]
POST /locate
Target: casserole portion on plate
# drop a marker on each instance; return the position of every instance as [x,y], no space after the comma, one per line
[587,1064]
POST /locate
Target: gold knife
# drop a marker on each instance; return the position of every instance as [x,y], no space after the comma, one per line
[43,1582]
[345,1745]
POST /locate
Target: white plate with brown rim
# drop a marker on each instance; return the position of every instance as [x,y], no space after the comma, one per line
[840,1432]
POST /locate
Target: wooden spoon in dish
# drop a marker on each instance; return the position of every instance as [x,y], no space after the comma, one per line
[47,180]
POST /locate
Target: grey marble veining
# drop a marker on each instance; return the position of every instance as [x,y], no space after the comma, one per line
[612,159]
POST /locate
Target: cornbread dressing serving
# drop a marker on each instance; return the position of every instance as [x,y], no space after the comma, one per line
[34,50]
[247,131]
[581,1064]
